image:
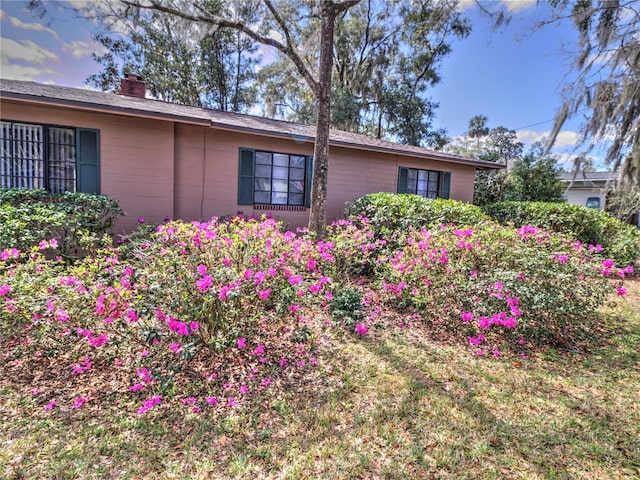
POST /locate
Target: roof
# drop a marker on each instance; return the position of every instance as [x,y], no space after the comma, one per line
[33,92]
[587,179]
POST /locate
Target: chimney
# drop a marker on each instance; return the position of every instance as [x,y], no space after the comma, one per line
[132,86]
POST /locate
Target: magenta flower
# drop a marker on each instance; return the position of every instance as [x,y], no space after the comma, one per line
[175,348]
[211,400]
[188,401]
[608,263]
[242,342]
[5,289]
[244,389]
[467,317]
[50,405]
[204,283]
[266,382]
[264,294]
[79,402]
[137,387]
[295,279]
[362,329]
[232,403]
[621,291]
[496,353]
[259,350]
[202,269]
[194,326]
[283,362]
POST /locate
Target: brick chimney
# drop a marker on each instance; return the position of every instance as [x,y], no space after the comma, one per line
[132,86]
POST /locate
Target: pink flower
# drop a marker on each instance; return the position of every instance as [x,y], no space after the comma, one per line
[266,382]
[244,389]
[195,409]
[498,286]
[329,296]
[202,269]
[226,262]
[608,263]
[137,387]
[621,291]
[204,283]
[362,329]
[294,308]
[264,294]
[188,401]
[61,315]
[295,279]
[232,403]
[175,348]
[211,400]
[259,350]
[194,326]
[79,402]
[628,269]
[35,391]
[467,317]
[496,353]
[315,288]
[283,362]
[50,405]
[5,289]
[242,342]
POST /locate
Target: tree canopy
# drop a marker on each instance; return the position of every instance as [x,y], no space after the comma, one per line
[606,87]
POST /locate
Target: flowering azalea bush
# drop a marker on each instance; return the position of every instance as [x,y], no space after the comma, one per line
[501,286]
[207,315]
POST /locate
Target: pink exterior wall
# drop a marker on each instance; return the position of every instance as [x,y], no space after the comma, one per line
[136,157]
[158,168]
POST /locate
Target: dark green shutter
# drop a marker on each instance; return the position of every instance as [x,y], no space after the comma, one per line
[403,173]
[88,160]
[245,176]
[308,181]
[445,186]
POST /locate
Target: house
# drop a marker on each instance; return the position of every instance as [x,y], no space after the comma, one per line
[165,160]
[587,188]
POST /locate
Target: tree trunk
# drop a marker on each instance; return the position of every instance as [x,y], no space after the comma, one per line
[318,213]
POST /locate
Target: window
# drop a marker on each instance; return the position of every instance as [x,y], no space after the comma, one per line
[593,202]
[268,178]
[426,183]
[58,159]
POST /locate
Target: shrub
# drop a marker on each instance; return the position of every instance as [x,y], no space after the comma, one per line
[499,285]
[387,213]
[74,220]
[619,240]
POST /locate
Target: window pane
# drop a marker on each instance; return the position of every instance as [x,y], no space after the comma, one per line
[412,174]
[412,186]
[433,176]
[263,158]
[281,172]
[296,186]
[263,171]
[431,195]
[62,159]
[27,165]
[433,187]
[295,198]
[262,197]
[296,174]
[5,155]
[297,161]
[279,185]
[262,184]
[279,198]
[280,160]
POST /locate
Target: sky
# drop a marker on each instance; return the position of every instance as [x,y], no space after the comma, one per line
[513,76]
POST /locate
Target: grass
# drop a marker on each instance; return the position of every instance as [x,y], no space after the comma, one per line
[392,405]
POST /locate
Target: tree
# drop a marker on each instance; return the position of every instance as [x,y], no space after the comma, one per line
[386,56]
[478,127]
[278,24]
[181,62]
[535,177]
[606,88]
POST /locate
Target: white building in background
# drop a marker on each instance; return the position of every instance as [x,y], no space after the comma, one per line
[587,188]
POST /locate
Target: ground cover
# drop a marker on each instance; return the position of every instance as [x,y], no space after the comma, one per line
[120,367]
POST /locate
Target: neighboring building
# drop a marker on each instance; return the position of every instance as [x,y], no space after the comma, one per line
[164,160]
[587,188]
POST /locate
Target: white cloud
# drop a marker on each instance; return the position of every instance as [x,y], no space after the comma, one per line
[80,49]
[565,138]
[16,22]
[26,50]
[21,72]
[515,5]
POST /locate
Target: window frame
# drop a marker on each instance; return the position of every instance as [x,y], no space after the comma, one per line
[247,179]
[46,163]
[443,182]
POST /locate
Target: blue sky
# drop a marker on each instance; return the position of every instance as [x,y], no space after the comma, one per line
[513,76]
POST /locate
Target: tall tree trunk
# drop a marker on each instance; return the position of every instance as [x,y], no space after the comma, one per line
[318,213]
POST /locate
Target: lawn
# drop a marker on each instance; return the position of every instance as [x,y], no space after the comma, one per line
[396,403]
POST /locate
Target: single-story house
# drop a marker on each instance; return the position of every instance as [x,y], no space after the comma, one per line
[165,160]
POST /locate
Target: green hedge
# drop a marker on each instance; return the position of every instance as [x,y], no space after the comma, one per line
[619,240]
[390,212]
[28,217]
